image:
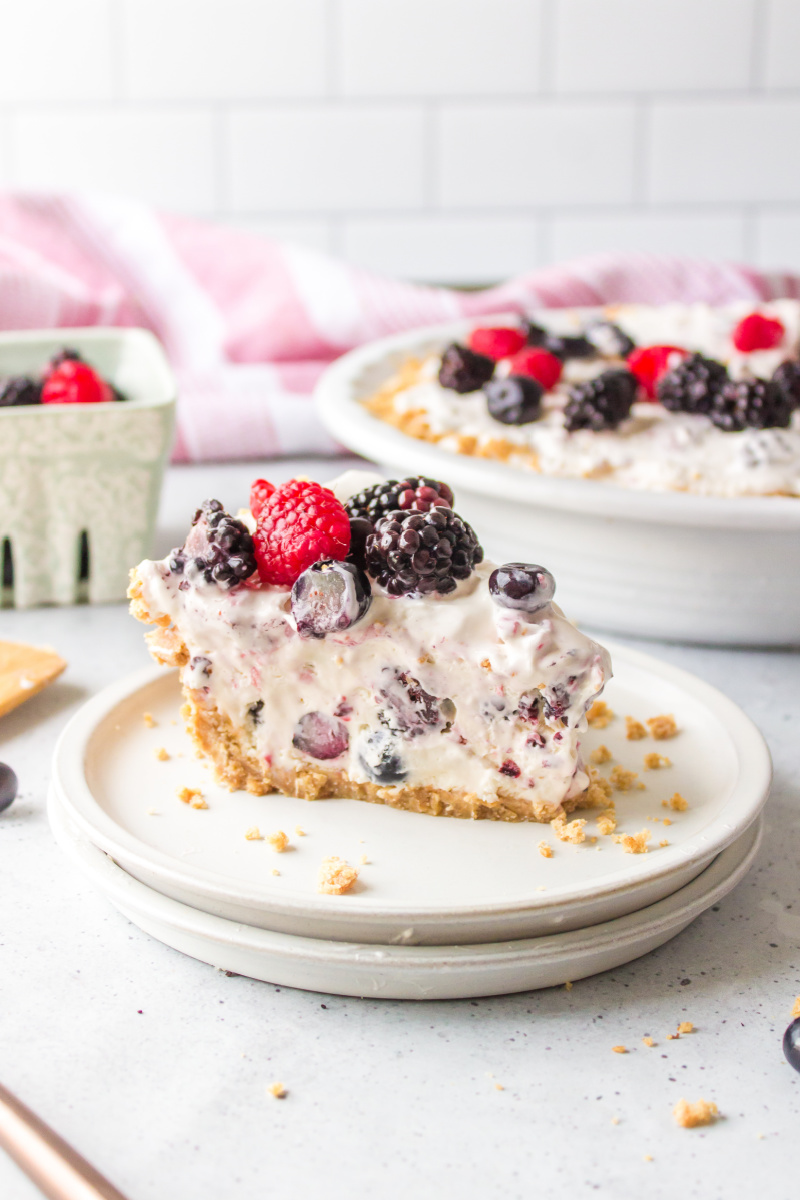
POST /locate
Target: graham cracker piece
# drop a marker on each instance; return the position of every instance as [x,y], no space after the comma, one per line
[569,831]
[599,715]
[601,755]
[634,730]
[545,849]
[634,843]
[623,779]
[663,726]
[279,841]
[654,761]
[688,1115]
[336,876]
[25,671]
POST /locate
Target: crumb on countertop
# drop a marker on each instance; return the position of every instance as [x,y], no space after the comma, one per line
[648,1158]
[634,730]
[663,726]
[623,780]
[607,822]
[634,843]
[161,754]
[796,1007]
[648,1041]
[279,841]
[615,1120]
[363,860]
[664,842]
[191,796]
[253,834]
[685,1027]
[275,871]
[149,720]
[601,755]
[277,1090]
[569,831]
[620,1049]
[599,715]
[655,761]
[336,876]
[545,849]
[688,1116]
[299,832]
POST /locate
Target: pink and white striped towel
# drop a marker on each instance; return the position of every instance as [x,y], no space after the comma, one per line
[249,323]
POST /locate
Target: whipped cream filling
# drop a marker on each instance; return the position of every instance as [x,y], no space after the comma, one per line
[653,448]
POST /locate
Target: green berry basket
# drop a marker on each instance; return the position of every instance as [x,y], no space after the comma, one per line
[80,483]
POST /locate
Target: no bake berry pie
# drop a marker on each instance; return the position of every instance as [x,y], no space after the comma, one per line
[682,397]
[353,641]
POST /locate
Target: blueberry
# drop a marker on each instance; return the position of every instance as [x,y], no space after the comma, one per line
[515,400]
[791,1044]
[380,757]
[609,340]
[8,786]
[523,586]
[320,736]
[328,597]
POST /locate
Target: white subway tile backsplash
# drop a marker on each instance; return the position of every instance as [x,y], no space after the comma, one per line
[652,45]
[443,249]
[726,151]
[440,47]
[782,51]
[59,52]
[703,235]
[224,49]
[313,233]
[778,241]
[326,158]
[162,156]
[513,155]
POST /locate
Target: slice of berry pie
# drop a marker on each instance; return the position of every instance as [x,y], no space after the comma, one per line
[354,642]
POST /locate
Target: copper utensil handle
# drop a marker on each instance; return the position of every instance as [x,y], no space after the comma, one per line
[56,1169]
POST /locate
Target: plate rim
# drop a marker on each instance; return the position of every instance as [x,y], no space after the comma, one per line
[750,792]
[346,419]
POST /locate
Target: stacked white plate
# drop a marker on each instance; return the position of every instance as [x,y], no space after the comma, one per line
[442,908]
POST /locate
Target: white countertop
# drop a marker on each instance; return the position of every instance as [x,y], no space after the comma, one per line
[156,1066]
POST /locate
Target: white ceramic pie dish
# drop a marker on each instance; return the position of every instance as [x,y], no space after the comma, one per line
[426,879]
[655,564]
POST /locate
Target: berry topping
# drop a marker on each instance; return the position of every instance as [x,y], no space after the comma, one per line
[522,586]
[562,346]
[692,385]
[8,786]
[417,493]
[609,340]
[260,492]
[320,736]
[410,710]
[328,597]
[219,546]
[300,523]
[649,363]
[73,382]
[411,552]
[515,400]
[791,1044]
[496,343]
[757,332]
[537,364]
[65,354]
[463,371]
[787,378]
[510,768]
[381,757]
[360,529]
[600,403]
[751,404]
[20,390]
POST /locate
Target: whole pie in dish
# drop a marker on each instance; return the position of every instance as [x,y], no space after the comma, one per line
[353,641]
[680,397]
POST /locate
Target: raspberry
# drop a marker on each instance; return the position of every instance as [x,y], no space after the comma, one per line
[74,382]
[757,332]
[496,343]
[649,363]
[537,364]
[300,523]
[260,492]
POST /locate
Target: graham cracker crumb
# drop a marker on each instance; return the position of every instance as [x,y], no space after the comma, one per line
[666,820]
[299,832]
[685,1027]
[623,780]
[336,876]
[545,849]
[253,834]
[663,726]
[363,860]
[796,1007]
[607,822]
[149,720]
[620,1049]
[634,843]
[275,871]
[487,666]
[688,1115]
[161,754]
[279,841]
[599,715]
[568,986]
[664,842]
[677,803]
[499,1087]
[153,812]
[634,730]
[569,831]
[655,761]
[198,802]
[648,1158]
[672,1037]
[598,792]
[278,1091]
[615,1120]
[191,796]
[648,1041]
[601,755]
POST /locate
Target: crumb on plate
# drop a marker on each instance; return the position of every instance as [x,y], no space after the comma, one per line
[655,761]
[688,1115]
[569,831]
[363,860]
[623,780]
[191,796]
[599,715]
[279,841]
[253,834]
[607,822]
[601,755]
[161,754]
[149,720]
[634,843]
[634,730]
[336,876]
[299,832]
[545,849]
[676,802]
[598,792]
[662,726]
[275,871]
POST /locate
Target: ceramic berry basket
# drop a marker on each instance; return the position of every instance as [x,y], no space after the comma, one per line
[80,483]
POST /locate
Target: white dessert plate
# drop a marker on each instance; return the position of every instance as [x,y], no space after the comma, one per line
[425,879]
[403,972]
[656,564]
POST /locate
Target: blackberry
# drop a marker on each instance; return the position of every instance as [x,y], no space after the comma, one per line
[20,389]
[515,400]
[609,340]
[600,403]
[563,346]
[463,370]
[422,552]
[751,404]
[219,546]
[786,377]
[417,493]
[692,385]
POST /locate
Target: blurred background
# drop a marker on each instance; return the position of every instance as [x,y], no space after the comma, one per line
[455,141]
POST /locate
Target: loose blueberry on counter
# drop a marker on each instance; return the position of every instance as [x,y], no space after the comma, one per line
[328,597]
[515,400]
[380,757]
[791,1044]
[320,736]
[464,371]
[8,786]
[522,586]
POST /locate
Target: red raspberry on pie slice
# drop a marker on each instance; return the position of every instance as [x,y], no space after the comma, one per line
[757,332]
[260,492]
[300,523]
[537,364]
[73,382]
[496,343]
[649,363]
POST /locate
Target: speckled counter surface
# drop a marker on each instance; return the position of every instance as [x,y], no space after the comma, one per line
[156,1066]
